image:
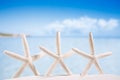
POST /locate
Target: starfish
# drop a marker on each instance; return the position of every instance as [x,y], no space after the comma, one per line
[58,56]
[27,59]
[92,57]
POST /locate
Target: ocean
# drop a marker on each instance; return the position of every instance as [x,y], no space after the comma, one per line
[76,63]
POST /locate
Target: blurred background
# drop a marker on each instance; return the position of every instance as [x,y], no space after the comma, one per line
[41,19]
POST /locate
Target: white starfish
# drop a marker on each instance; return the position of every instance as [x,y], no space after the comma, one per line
[27,59]
[58,57]
[93,58]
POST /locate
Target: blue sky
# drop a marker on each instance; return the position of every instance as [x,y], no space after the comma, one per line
[71,17]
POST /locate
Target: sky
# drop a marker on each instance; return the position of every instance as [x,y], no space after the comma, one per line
[70,17]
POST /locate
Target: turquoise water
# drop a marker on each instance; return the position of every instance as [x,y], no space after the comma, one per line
[76,63]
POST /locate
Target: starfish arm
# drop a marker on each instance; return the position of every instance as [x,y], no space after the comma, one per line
[49,52]
[17,74]
[14,55]
[68,54]
[65,67]
[51,68]
[91,43]
[98,66]
[82,53]
[33,69]
[87,68]
[58,43]
[38,56]
[26,47]
[104,55]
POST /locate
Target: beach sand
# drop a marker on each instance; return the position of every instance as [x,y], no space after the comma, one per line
[72,77]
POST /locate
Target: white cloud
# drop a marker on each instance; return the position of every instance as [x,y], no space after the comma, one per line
[82,24]
[108,25]
[102,23]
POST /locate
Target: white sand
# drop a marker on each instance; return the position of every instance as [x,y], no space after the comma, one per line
[73,77]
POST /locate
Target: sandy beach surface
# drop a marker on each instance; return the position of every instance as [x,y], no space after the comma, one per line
[72,77]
